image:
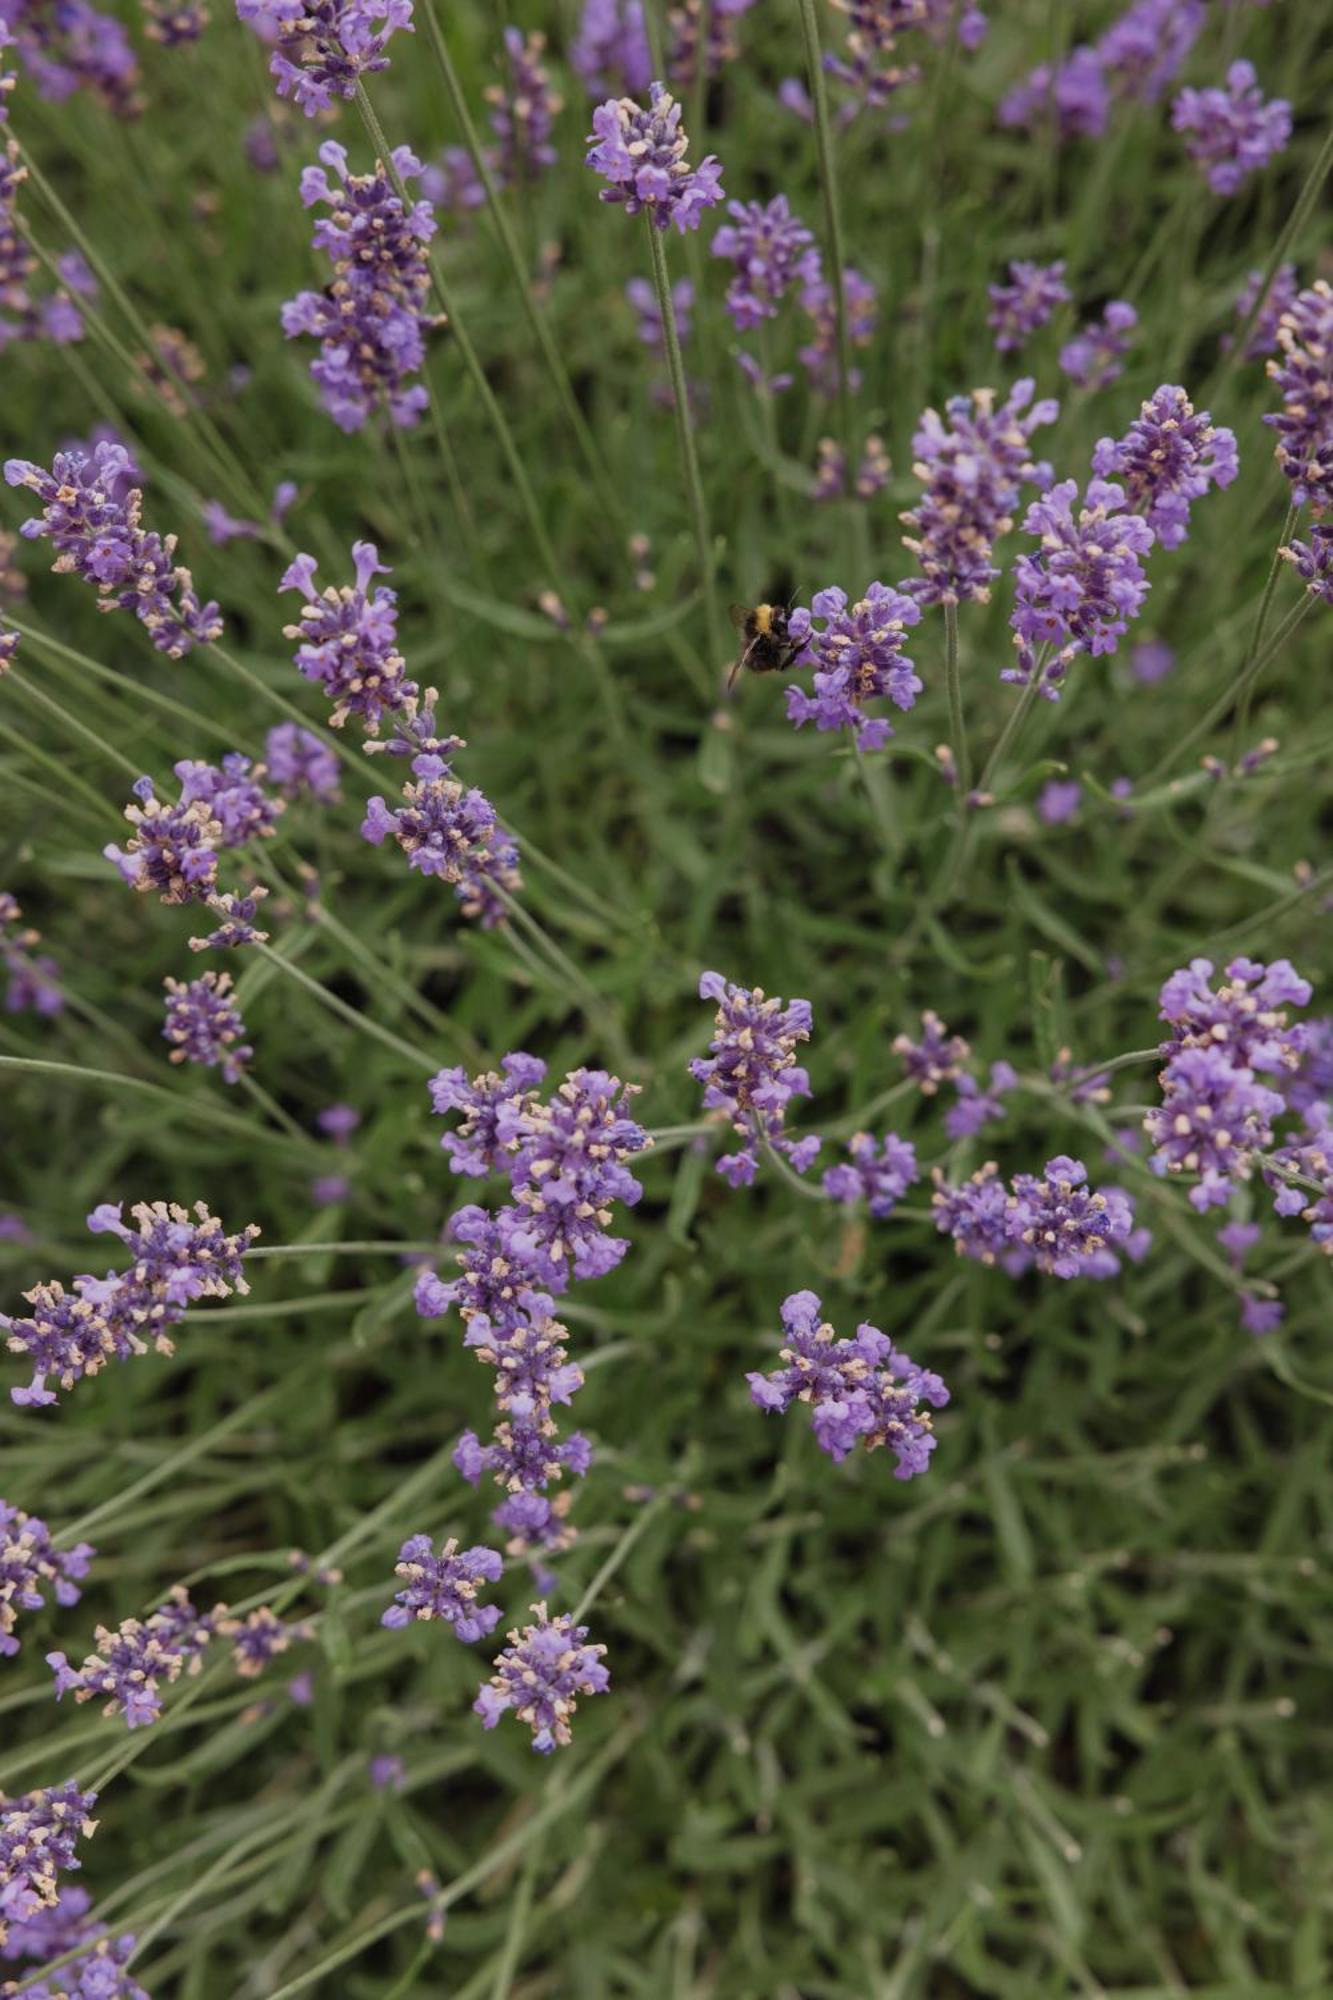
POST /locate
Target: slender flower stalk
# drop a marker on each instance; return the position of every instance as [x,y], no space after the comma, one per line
[694,491]
[814,62]
[954,688]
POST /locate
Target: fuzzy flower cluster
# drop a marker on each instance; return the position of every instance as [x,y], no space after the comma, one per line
[32,978]
[93,524]
[858,657]
[773,253]
[101,1972]
[1134,61]
[523,112]
[30,1564]
[642,155]
[73,47]
[39,1833]
[860,1391]
[1081,589]
[1168,458]
[174,847]
[204,1025]
[1303,373]
[301,765]
[234,794]
[752,1074]
[348,636]
[445,1586]
[1053,1221]
[450,830]
[176,1260]
[1026,302]
[1313,560]
[321,49]
[565,1160]
[131,1665]
[610,52]
[938,1057]
[690,48]
[1216,1112]
[539,1677]
[877,1172]
[259,1638]
[1232,132]
[371,319]
[1095,357]
[972,463]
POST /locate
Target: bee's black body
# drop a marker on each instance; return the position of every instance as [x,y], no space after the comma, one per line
[767,647]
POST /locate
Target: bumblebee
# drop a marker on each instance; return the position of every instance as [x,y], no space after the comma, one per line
[767,646]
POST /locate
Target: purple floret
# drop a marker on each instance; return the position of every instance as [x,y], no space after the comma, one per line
[445,1586]
[972,465]
[751,1072]
[204,1025]
[31,1564]
[321,49]
[1167,459]
[772,251]
[132,1665]
[539,1676]
[1303,372]
[1026,302]
[610,51]
[492,1106]
[857,658]
[642,155]
[1232,132]
[877,1171]
[1095,357]
[1080,591]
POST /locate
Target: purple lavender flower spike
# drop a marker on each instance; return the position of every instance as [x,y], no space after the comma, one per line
[74,47]
[772,251]
[301,765]
[1245,1017]
[321,49]
[445,1586]
[1059,801]
[1303,373]
[1074,96]
[371,321]
[1214,1117]
[751,1072]
[30,1564]
[610,53]
[1144,49]
[858,657]
[523,112]
[442,827]
[1167,459]
[238,925]
[978,1104]
[1313,560]
[569,1167]
[1278,301]
[972,468]
[1151,661]
[490,869]
[540,1675]
[860,1391]
[174,23]
[234,794]
[97,535]
[1026,303]
[937,1058]
[258,1639]
[349,640]
[1095,357]
[204,1025]
[976,1215]
[133,1664]
[877,1171]
[642,155]
[38,1836]
[493,1108]
[1079,593]
[32,978]
[1065,1225]
[172,848]
[720,46]
[1231,133]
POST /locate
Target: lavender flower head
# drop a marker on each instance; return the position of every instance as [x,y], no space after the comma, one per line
[99,1973]
[568,1169]
[1313,560]
[1303,372]
[371,321]
[38,1834]
[74,47]
[97,535]
[720,46]
[1144,49]
[52,1931]
[937,1058]
[321,49]
[204,1025]
[860,1391]
[877,1171]
[1073,96]
[30,1564]
[1065,1225]
[442,827]
[650,330]
[642,155]
[1231,133]
[1095,357]
[134,1663]
[349,640]
[234,794]
[539,1676]
[258,1639]
[972,468]
[1168,458]
[858,657]
[1080,591]
[610,51]
[173,848]
[1023,305]
[1214,1116]
[445,1586]
[772,251]
[300,765]
[493,1106]
[238,925]
[751,1072]
[976,1104]
[524,110]
[1245,1016]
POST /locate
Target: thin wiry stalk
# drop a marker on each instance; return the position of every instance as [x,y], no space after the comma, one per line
[1260,622]
[694,492]
[367,1026]
[814,62]
[954,688]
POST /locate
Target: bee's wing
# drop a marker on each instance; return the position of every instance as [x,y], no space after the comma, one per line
[739,615]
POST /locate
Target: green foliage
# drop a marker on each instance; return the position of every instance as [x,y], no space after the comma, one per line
[1045,1722]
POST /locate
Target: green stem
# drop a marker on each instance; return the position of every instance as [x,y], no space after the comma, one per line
[1243,682]
[694,491]
[71,722]
[417,1057]
[272,1109]
[814,62]
[182,1106]
[954,688]
[634,1533]
[370,1247]
[1261,620]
